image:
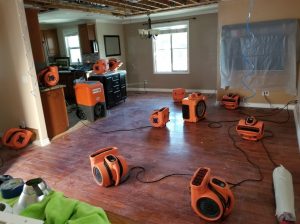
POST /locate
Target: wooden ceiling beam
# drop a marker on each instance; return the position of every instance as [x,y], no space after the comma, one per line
[122,7]
[145,3]
[207,2]
[119,4]
[177,2]
[60,5]
[159,3]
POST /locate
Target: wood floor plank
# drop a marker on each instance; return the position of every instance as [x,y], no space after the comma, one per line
[179,148]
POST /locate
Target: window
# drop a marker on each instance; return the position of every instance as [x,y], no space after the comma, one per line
[170,48]
[73,48]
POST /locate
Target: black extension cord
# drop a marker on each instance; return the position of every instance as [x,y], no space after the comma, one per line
[142,170]
[218,124]
[117,130]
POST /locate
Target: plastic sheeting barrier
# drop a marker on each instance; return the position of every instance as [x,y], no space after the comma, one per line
[262,55]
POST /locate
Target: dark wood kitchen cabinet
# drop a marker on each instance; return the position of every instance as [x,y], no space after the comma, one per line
[114,84]
[50,42]
[55,110]
[86,36]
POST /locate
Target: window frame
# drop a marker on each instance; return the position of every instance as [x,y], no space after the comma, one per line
[68,48]
[169,24]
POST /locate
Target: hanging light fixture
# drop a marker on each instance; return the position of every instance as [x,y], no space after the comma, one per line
[148,33]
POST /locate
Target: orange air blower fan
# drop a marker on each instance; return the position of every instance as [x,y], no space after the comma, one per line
[108,167]
[16,138]
[231,101]
[211,197]
[178,94]
[49,76]
[101,66]
[90,100]
[193,107]
[114,64]
[159,118]
[250,129]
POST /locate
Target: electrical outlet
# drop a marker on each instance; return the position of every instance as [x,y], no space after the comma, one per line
[265,93]
[22,124]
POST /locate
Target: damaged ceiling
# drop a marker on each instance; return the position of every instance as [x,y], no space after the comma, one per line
[121,8]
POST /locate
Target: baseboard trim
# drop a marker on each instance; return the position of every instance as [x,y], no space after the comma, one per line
[208,91]
[297,124]
[42,142]
[262,105]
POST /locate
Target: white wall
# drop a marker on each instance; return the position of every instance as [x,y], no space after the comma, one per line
[19,93]
[111,29]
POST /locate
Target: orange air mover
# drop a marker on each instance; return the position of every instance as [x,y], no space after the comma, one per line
[114,64]
[108,167]
[49,76]
[90,100]
[211,197]
[178,94]
[159,118]
[193,107]
[250,129]
[231,101]
[101,66]
[16,138]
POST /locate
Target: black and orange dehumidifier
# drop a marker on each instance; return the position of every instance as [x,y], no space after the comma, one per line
[250,129]
[108,167]
[193,107]
[159,118]
[90,100]
[178,94]
[231,101]
[211,197]
[16,138]
[49,76]
[101,67]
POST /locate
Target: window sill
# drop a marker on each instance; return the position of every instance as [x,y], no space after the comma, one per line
[171,73]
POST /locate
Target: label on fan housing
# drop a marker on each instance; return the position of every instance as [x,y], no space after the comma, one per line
[95,91]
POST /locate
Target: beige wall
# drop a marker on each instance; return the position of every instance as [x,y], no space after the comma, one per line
[236,11]
[111,29]
[19,93]
[202,54]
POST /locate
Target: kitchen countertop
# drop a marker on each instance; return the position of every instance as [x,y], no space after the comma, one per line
[44,89]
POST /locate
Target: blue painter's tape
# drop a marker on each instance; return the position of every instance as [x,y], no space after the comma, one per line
[12,188]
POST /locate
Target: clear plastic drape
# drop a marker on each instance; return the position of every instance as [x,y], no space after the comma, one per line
[259,55]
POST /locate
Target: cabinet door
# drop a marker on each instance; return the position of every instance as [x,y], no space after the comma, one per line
[86,35]
[51,41]
[91,32]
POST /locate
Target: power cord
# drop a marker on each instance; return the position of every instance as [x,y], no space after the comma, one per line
[275,112]
[118,130]
[261,177]
[266,149]
[218,124]
[142,170]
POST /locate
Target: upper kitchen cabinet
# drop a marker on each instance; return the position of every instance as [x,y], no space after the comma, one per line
[34,34]
[87,38]
[50,42]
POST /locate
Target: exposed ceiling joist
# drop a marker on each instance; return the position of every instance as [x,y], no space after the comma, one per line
[119,7]
[179,7]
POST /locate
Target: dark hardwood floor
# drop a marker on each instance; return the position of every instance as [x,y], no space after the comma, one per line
[178,148]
